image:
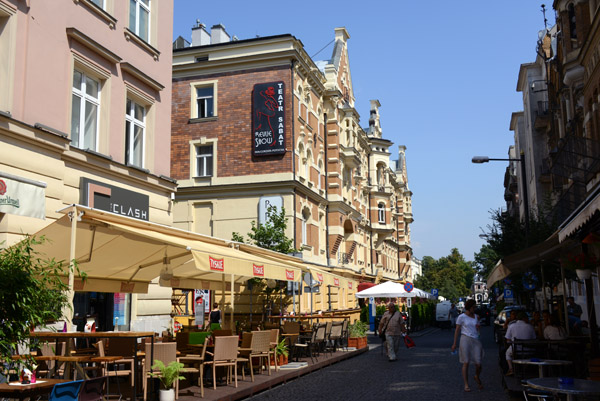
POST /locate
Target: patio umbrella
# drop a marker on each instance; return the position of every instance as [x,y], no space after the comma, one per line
[390,289]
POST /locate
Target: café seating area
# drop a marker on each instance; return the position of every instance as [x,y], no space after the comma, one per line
[214,362]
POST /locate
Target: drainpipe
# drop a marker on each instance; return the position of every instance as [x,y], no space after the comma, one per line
[370,220]
[293,150]
[326,161]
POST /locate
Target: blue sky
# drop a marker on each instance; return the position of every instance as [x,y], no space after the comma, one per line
[445,73]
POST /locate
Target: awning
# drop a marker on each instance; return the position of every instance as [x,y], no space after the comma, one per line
[580,216]
[521,261]
[121,254]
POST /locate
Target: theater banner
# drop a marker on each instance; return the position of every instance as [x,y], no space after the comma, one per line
[268,122]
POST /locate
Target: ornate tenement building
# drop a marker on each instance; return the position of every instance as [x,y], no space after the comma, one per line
[257,122]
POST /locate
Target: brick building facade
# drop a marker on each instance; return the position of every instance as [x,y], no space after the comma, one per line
[348,205]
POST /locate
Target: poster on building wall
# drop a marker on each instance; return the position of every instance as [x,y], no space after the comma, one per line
[201,306]
[268,123]
[120,303]
[22,197]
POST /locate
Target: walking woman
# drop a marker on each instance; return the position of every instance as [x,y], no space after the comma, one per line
[215,315]
[471,350]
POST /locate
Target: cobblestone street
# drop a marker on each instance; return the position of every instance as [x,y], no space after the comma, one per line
[426,372]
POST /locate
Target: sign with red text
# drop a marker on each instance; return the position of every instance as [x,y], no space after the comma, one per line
[216,264]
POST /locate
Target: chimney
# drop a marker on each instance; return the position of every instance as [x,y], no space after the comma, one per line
[199,35]
[219,35]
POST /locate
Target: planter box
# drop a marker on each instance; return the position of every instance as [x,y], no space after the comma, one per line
[357,342]
[281,360]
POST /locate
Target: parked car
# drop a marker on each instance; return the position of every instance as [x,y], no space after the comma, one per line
[501,318]
[441,314]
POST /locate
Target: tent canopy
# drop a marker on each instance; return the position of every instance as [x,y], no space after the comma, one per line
[390,289]
[121,254]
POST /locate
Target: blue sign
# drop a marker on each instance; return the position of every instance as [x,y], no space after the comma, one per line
[434,292]
[507,281]
[529,281]
[408,286]
[508,295]
[497,291]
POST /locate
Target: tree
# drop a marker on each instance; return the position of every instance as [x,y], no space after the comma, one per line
[271,233]
[451,275]
[32,294]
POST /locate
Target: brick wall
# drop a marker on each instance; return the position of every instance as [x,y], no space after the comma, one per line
[232,127]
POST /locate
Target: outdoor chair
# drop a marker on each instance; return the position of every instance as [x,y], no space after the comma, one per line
[325,343]
[197,361]
[225,354]
[273,342]
[166,353]
[291,327]
[335,336]
[222,333]
[68,391]
[93,389]
[120,351]
[344,337]
[259,348]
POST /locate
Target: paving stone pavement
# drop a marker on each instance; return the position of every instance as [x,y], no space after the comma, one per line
[426,372]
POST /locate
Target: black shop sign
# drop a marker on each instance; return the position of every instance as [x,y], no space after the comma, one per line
[268,123]
[99,195]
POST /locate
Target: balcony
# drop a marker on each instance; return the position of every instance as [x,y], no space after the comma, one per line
[350,156]
[542,116]
[345,259]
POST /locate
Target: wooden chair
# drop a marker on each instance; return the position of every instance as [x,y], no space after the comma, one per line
[259,347]
[335,336]
[123,348]
[225,354]
[198,365]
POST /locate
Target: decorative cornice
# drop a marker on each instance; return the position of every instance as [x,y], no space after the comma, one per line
[90,43]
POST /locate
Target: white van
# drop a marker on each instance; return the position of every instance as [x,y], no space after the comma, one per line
[441,314]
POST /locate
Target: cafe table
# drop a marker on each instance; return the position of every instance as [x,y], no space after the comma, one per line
[24,391]
[65,336]
[578,387]
[541,363]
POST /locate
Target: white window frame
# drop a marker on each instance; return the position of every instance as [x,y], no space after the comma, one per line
[202,158]
[140,4]
[305,218]
[208,110]
[129,136]
[381,213]
[194,99]
[102,4]
[83,98]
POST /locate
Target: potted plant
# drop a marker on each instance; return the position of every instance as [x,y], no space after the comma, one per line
[281,350]
[582,263]
[357,335]
[167,376]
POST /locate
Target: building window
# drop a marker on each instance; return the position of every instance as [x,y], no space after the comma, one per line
[381,212]
[135,133]
[305,218]
[205,102]
[85,111]
[99,3]
[139,18]
[204,161]
[572,21]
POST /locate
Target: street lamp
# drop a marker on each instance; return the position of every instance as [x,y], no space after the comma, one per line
[485,159]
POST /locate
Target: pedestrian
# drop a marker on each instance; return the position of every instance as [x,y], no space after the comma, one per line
[452,315]
[393,326]
[470,350]
[574,312]
[538,325]
[521,330]
[554,331]
[512,317]
[215,315]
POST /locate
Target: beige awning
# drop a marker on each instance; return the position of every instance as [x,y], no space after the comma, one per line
[120,254]
[523,260]
[580,216]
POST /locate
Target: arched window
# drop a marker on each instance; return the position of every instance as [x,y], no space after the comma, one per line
[381,212]
[305,218]
[319,175]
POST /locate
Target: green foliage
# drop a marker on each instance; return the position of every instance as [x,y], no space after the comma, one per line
[32,294]
[451,275]
[271,233]
[357,329]
[422,314]
[364,314]
[169,373]
[281,348]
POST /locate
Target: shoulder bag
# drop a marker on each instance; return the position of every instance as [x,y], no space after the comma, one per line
[382,333]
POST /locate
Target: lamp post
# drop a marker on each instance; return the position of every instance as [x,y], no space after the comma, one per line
[485,159]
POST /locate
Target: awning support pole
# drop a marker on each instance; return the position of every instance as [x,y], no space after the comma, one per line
[222,299]
[232,305]
[68,313]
